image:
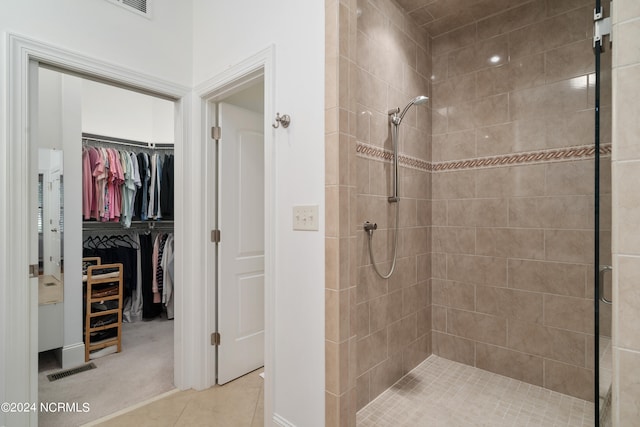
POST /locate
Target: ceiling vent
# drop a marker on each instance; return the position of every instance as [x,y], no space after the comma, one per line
[141,7]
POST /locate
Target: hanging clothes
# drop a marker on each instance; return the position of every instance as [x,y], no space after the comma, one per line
[120,185]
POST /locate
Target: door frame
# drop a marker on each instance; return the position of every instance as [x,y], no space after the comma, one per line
[209,92]
[19,305]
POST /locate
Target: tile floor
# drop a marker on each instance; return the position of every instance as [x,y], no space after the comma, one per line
[442,393]
[238,403]
[606,366]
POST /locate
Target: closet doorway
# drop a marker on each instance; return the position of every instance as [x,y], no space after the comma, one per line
[236,183]
[77,116]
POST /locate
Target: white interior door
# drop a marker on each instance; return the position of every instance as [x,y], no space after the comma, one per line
[241,249]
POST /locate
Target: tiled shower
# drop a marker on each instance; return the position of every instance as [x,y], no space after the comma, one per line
[495,265]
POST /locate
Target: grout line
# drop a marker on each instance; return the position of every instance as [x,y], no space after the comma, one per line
[131,408]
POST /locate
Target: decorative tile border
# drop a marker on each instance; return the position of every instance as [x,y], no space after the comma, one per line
[531,157]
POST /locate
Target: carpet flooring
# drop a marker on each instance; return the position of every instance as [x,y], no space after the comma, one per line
[142,370]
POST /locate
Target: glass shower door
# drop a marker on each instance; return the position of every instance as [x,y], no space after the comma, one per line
[602,191]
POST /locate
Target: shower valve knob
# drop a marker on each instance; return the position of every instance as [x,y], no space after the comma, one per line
[369,227]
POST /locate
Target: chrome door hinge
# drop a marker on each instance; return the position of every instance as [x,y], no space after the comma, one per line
[215,236]
[33,270]
[601,27]
[215,338]
[216,132]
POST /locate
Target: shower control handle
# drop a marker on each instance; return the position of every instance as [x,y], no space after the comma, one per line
[370,227]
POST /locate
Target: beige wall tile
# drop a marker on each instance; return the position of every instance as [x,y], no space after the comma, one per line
[574,314]
[555,7]
[385,310]
[553,32]
[452,92]
[455,39]
[362,390]
[566,212]
[439,120]
[510,242]
[439,265]
[424,213]
[453,348]
[385,374]
[491,110]
[510,303]
[570,178]
[483,54]
[424,322]
[569,61]
[453,294]
[477,213]
[414,298]
[440,69]
[549,277]
[454,146]
[626,203]
[439,318]
[497,139]
[568,379]
[401,333]
[460,117]
[371,350]
[477,327]
[439,212]
[459,240]
[370,285]
[628,387]
[363,324]
[627,127]
[556,344]
[511,19]
[423,267]
[454,185]
[526,180]
[477,269]
[569,246]
[627,35]
[628,302]
[416,352]
[626,9]
[561,97]
[336,311]
[414,241]
[512,364]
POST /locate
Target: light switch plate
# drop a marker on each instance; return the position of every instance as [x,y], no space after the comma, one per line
[305,218]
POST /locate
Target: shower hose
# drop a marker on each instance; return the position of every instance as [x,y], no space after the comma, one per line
[369,228]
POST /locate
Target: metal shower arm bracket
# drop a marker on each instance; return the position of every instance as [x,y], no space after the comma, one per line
[601,27]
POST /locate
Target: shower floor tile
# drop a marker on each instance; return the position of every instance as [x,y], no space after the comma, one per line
[442,393]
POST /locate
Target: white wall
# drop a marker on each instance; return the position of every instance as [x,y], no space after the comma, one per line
[99,29]
[120,113]
[188,42]
[160,47]
[223,37]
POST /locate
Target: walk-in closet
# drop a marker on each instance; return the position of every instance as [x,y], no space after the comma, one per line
[106,248]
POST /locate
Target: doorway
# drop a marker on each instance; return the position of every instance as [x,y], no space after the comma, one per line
[96,119]
[236,201]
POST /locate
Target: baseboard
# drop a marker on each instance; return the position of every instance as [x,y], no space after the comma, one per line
[72,355]
[279,421]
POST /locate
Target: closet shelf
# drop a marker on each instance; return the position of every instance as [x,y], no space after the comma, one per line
[98,279]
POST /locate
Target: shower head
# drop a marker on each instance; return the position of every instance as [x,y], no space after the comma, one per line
[397,119]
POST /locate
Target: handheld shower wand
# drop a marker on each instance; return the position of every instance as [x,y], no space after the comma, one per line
[395,118]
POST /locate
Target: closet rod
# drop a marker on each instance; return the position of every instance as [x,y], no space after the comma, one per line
[127,142]
[135,226]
